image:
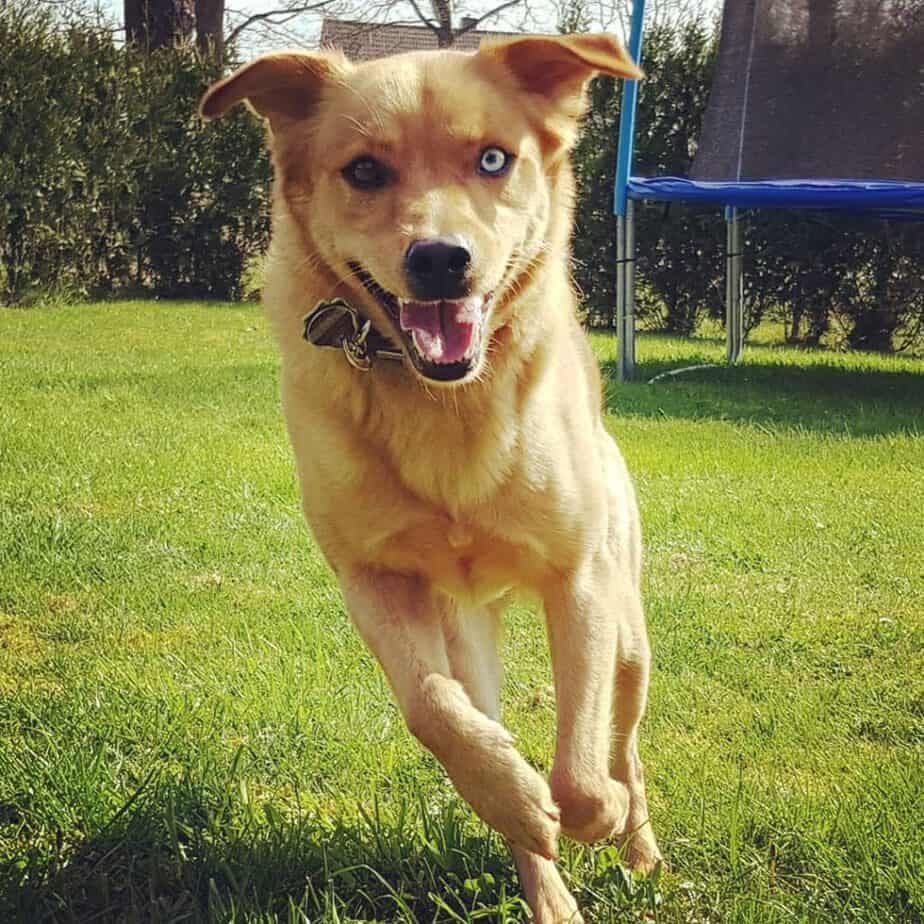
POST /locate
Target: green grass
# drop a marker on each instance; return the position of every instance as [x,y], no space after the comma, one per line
[190,731]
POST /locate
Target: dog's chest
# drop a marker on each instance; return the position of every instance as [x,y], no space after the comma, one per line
[475,524]
[466,560]
[477,551]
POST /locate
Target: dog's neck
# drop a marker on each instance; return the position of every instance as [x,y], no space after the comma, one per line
[431,435]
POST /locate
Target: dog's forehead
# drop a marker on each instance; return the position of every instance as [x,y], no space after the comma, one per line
[441,93]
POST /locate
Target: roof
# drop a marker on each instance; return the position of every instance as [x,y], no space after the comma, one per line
[367,40]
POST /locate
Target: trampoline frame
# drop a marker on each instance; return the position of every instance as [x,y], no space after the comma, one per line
[891,199]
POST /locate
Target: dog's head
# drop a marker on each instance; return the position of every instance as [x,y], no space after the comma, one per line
[423,182]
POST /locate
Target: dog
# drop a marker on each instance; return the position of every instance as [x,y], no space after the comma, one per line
[449,442]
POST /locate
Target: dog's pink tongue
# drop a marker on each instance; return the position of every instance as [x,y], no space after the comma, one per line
[442,331]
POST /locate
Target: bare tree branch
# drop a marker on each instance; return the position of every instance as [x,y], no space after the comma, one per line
[66,12]
[474,23]
[271,16]
[424,19]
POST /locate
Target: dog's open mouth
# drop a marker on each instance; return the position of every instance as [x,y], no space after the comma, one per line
[442,338]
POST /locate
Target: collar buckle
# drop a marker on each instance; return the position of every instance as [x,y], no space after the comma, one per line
[336,323]
[356,348]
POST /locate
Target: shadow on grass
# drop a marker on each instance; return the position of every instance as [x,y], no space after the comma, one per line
[176,859]
[771,391]
[170,858]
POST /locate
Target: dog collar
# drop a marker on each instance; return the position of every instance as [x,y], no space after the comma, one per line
[335,323]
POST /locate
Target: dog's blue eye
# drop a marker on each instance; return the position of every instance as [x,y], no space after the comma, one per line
[366,173]
[494,161]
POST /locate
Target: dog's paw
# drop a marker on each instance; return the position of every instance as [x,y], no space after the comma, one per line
[591,813]
[637,838]
[545,893]
[557,909]
[640,848]
[532,820]
[507,793]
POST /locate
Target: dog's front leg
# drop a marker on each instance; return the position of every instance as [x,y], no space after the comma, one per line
[472,642]
[402,620]
[582,614]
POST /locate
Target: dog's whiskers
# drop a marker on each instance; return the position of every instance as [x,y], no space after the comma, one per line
[357,125]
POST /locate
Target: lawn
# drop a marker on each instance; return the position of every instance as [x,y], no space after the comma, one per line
[190,731]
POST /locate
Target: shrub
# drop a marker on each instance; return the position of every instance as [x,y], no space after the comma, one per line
[109,179]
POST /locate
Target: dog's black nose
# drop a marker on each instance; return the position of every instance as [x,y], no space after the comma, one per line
[436,268]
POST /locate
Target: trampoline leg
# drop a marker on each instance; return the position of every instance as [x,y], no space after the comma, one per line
[630,289]
[739,288]
[625,295]
[734,288]
[620,298]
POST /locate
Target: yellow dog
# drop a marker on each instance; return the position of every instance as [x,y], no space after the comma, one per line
[450,448]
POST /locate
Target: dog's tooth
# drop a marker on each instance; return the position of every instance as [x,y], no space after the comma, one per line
[427,344]
[470,310]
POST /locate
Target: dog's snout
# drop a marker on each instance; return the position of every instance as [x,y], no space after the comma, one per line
[437,267]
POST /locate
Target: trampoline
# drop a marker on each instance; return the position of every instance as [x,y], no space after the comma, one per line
[815,104]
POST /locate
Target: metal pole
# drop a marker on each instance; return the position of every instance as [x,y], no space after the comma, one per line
[621,344]
[629,299]
[627,113]
[625,235]
[734,287]
[739,287]
[729,312]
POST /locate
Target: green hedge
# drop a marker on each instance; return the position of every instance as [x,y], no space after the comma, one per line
[109,180]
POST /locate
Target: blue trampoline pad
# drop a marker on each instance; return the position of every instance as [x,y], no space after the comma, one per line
[900,199]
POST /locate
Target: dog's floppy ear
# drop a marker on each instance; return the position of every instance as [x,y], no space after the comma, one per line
[282,86]
[558,67]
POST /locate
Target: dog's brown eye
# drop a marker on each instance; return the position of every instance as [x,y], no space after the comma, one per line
[366,173]
[494,161]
